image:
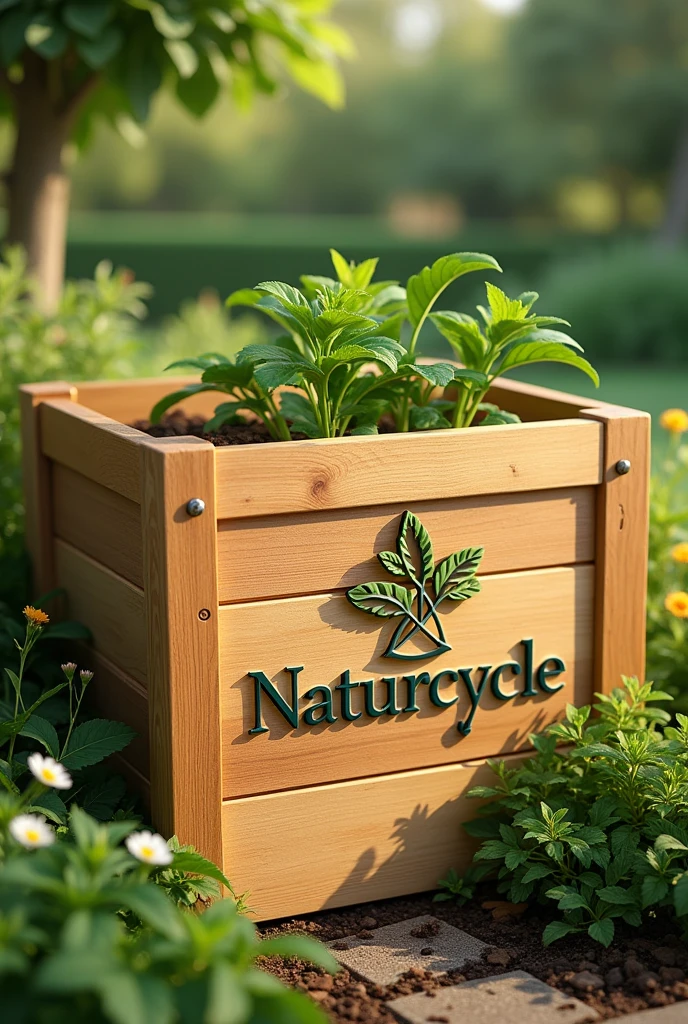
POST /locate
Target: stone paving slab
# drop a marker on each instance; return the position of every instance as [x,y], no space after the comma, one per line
[393,950]
[506,997]
[677,1013]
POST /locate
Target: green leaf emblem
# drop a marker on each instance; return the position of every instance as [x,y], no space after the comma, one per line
[416,606]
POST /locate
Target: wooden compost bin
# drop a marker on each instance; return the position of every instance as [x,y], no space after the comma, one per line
[182,609]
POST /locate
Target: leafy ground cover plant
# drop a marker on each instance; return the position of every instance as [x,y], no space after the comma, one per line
[667,612]
[599,828]
[38,728]
[86,935]
[337,329]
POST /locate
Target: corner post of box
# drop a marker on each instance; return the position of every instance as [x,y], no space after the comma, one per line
[36,479]
[181,602]
[621,546]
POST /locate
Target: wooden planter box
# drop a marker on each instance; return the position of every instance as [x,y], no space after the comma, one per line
[188,612]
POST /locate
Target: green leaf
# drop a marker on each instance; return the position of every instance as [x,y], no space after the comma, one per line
[14,679]
[463,334]
[392,562]
[51,805]
[12,36]
[130,998]
[424,289]
[175,397]
[142,79]
[552,337]
[666,842]
[616,895]
[195,864]
[536,872]
[199,92]
[302,948]
[171,26]
[557,930]
[183,56]
[523,354]
[47,37]
[243,297]
[386,600]
[439,374]
[602,931]
[44,731]
[95,740]
[99,52]
[653,890]
[228,1001]
[412,530]
[681,895]
[274,375]
[457,569]
[88,19]
[318,77]
[499,418]
[427,417]
[154,908]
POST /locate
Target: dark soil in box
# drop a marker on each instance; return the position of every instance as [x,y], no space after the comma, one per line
[642,968]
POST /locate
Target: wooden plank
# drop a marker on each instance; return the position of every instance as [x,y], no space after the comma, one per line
[37,482]
[622,543]
[115,695]
[130,400]
[351,472]
[327,636]
[111,607]
[95,446]
[534,403]
[330,846]
[314,552]
[180,585]
[99,522]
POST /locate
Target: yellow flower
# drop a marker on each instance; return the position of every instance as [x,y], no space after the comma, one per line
[35,616]
[674,420]
[677,604]
[679,553]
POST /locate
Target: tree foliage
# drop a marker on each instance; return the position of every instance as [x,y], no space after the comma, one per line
[116,54]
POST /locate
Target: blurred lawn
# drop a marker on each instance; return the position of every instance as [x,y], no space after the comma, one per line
[649,388]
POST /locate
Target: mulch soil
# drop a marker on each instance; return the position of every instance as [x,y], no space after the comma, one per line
[640,970]
[176,424]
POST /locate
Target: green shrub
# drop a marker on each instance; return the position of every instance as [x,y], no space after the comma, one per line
[85,936]
[91,335]
[601,828]
[629,302]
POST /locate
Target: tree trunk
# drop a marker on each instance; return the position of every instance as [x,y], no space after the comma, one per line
[673,227]
[38,185]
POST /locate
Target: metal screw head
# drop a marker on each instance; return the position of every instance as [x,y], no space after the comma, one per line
[623,466]
[195,507]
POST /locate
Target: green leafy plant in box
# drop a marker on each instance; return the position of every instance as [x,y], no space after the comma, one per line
[348,353]
[596,822]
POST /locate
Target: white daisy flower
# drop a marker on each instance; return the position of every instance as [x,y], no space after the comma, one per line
[149,847]
[49,771]
[32,831]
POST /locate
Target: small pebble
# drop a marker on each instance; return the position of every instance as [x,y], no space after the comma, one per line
[427,951]
[586,981]
[368,922]
[614,978]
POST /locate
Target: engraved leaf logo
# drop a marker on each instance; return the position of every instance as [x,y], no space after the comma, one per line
[416,606]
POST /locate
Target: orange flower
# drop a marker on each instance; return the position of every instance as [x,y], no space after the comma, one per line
[679,553]
[677,604]
[36,617]
[674,420]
